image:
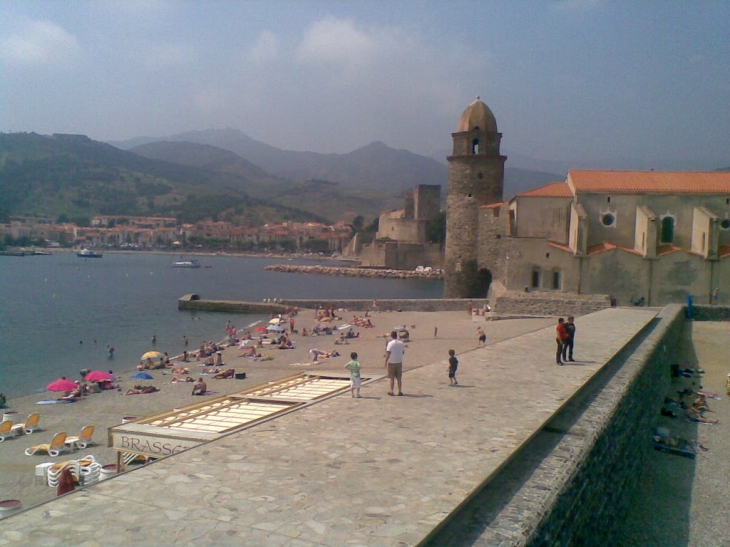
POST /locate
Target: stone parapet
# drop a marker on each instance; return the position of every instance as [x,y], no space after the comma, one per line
[711,313]
[549,303]
[570,485]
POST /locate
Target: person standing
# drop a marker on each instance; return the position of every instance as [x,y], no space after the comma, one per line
[481,337]
[394,362]
[561,335]
[356,381]
[568,345]
[453,365]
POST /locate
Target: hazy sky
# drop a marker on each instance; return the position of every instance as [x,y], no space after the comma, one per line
[565,79]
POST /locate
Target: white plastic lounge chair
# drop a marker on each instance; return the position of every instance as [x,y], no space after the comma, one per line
[83,440]
[29,426]
[6,429]
[54,448]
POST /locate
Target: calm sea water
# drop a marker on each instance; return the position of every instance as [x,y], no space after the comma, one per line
[59,313]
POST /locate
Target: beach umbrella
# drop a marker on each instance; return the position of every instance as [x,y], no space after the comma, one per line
[142,376]
[151,355]
[275,328]
[62,385]
[97,375]
[276,321]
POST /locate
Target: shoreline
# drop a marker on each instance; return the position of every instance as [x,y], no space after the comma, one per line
[456,330]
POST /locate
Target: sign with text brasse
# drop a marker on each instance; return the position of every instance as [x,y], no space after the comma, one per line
[155,446]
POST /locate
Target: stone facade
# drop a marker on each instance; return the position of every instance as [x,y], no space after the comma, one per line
[402,238]
[476,178]
[641,237]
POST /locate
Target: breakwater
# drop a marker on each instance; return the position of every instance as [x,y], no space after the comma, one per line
[356,272]
[194,302]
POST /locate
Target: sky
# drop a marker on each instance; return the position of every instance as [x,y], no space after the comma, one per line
[566,79]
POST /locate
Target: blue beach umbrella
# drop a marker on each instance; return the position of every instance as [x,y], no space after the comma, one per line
[142,376]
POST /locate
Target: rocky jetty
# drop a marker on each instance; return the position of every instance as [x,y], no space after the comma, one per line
[356,272]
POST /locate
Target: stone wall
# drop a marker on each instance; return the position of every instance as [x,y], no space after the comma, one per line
[573,480]
[440,304]
[549,303]
[710,313]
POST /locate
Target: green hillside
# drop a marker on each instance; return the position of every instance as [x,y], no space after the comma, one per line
[77,177]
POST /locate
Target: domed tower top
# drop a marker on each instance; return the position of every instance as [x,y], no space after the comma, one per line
[477,116]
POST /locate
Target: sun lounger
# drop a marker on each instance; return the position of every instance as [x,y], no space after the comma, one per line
[6,429]
[29,426]
[83,440]
[54,448]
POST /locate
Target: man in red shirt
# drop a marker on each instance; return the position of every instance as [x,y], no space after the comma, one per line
[561,336]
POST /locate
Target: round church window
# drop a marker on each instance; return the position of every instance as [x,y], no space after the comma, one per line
[725,224]
[608,219]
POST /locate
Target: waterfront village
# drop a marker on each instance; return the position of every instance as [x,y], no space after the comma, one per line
[141,233]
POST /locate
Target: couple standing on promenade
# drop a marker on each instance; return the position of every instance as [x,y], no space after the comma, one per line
[565,337]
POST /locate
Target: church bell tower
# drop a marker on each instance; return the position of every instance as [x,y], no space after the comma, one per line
[476,178]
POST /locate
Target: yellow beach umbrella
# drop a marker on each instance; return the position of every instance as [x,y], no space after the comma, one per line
[151,355]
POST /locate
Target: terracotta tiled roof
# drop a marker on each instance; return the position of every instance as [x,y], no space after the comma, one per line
[492,205]
[560,246]
[650,182]
[552,190]
[600,248]
[666,249]
[723,251]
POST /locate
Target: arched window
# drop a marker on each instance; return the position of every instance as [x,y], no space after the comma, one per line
[557,282]
[667,229]
[475,146]
[535,281]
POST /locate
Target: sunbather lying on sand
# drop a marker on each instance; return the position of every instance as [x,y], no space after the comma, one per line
[230,373]
[176,379]
[138,390]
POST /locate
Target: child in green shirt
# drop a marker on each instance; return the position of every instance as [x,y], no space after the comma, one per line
[354,366]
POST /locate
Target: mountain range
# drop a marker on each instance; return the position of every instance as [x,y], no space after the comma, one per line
[372,167]
[221,174]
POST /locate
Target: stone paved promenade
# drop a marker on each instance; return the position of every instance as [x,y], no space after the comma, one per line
[373,471]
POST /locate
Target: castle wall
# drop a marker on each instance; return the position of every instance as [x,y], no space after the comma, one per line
[401,256]
[405,230]
[427,201]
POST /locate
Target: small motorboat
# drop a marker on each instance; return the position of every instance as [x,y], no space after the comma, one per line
[191,263]
[88,253]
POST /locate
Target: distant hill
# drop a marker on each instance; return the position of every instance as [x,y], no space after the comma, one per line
[72,175]
[332,200]
[373,167]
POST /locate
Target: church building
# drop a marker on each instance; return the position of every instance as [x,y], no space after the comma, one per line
[639,237]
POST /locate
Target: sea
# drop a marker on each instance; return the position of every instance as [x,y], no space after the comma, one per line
[59,313]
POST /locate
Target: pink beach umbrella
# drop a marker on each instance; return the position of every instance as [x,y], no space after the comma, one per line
[62,385]
[97,376]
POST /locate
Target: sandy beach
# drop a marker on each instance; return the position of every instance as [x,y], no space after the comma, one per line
[456,330]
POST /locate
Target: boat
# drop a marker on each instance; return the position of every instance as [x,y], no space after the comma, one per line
[191,263]
[88,253]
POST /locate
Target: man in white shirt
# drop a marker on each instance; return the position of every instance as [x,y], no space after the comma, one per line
[394,362]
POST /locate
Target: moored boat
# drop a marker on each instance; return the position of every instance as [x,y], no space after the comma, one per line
[186,264]
[88,253]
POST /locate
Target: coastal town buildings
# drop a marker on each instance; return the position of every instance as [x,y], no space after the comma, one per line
[639,237]
[147,232]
